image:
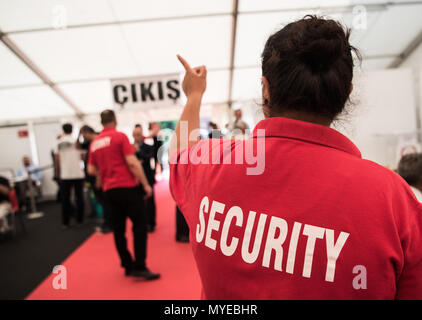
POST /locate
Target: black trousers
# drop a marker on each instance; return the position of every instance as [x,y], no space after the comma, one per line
[66,187]
[126,203]
[182,228]
[150,209]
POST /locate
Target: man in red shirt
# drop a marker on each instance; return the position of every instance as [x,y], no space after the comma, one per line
[112,159]
[294,212]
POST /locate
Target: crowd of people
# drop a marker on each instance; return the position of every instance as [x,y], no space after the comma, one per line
[119,178]
[115,189]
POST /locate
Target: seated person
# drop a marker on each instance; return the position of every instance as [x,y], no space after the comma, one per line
[4,204]
[410,169]
[22,187]
[35,173]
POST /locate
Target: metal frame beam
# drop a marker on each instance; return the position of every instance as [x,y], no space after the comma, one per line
[332,9]
[407,51]
[231,69]
[235,13]
[34,68]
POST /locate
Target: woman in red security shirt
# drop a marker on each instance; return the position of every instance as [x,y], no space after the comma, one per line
[294,212]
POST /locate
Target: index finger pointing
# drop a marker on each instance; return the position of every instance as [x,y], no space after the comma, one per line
[184,62]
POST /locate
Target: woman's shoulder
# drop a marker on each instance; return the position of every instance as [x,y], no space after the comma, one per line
[380,171]
[389,182]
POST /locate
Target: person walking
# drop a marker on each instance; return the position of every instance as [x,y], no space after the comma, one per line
[145,154]
[112,159]
[94,184]
[69,170]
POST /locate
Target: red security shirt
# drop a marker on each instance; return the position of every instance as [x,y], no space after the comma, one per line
[107,153]
[310,219]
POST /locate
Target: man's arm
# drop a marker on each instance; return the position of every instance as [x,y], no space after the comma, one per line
[4,189]
[92,170]
[56,166]
[136,169]
[37,173]
[194,85]
[78,143]
[98,182]
[4,186]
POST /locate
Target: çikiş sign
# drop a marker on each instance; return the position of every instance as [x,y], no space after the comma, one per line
[149,91]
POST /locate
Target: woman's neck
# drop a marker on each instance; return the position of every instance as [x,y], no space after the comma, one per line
[304,116]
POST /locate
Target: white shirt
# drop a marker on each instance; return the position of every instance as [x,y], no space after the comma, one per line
[71,164]
[417,192]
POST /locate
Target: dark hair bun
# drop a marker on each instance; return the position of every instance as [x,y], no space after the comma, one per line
[322,43]
[309,67]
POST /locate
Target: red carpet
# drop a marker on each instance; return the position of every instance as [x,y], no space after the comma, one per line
[94,272]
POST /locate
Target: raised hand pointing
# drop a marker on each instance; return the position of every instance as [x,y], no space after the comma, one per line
[195,80]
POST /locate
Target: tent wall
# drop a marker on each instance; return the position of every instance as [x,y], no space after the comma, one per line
[414,61]
[45,138]
[382,115]
[13,147]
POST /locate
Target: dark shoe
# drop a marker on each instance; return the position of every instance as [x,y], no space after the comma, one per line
[144,274]
[105,230]
[128,272]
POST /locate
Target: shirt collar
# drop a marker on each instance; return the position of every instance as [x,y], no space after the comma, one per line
[306,131]
[109,129]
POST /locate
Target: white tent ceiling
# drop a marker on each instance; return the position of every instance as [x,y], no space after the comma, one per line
[106,39]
